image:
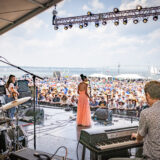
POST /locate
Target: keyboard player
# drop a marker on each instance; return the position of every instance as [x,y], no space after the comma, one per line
[149,124]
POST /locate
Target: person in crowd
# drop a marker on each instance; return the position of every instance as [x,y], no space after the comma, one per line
[94,103]
[11,94]
[102,103]
[65,89]
[42,97]
[111,105]
[74,100]
[56,99]
[129,105]
[83,110]
[63,100]
[139,108]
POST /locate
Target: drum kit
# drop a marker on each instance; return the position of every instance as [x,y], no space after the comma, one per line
[12,136]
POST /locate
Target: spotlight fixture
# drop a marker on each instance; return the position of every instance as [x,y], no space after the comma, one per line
[70,25]
[125,21]
[54,12]
[66,27]
[135,21]
[145,20]
[80,26]
[139,7]
[55,27]
[116,23]
[115,10]
[85,24]
[104,22]
[96,24]
[89,13]
[155,18]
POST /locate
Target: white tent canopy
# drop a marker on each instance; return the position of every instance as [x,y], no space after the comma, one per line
[97,75]
[76,75]
[129,76]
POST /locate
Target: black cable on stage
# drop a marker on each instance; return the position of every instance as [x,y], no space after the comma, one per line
[58,150]
[47,129]
[77,150]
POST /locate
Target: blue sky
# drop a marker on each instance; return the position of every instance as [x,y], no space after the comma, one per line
[36,43]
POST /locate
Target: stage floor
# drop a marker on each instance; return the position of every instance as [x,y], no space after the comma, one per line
[59,129]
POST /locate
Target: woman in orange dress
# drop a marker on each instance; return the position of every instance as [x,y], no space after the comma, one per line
[83,111]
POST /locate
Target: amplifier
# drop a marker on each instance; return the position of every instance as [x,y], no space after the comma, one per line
[2,90]
[28,154]
[23,86]
[23,89]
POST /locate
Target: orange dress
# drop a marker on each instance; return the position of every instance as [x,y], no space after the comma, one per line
[83,110]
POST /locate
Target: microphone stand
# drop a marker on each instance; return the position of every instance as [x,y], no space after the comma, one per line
[90,92]
[34,83]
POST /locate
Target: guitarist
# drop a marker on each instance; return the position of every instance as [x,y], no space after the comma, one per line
[12,94]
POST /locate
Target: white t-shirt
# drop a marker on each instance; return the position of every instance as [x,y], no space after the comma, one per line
[8,90]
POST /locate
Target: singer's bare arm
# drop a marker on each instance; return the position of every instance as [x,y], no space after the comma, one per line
[86,90]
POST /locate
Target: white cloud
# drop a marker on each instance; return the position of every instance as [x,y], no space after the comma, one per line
[62,3]
[85,8]
[93,5]
[97,5]
[131,4]
[103,46]
[91,46]
[32,25]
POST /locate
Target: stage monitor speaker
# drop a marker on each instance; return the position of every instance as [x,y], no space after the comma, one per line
[23,89]
[2,90]
[23,86]
[28,154]
[101,114]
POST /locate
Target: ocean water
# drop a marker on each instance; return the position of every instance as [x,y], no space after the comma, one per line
[48,71]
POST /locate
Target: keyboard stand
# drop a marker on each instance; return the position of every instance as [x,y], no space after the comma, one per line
[83,152]
[93,155]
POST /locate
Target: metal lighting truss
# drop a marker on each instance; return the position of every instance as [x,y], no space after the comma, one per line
[109,16]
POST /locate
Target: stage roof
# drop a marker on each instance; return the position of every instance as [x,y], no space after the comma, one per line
[15,12]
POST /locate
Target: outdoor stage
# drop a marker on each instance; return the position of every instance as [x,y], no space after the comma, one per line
[59,129]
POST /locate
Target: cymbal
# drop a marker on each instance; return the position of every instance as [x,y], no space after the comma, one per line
[4,120]
[15,103]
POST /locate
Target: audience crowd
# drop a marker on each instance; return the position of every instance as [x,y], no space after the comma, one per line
[114,94]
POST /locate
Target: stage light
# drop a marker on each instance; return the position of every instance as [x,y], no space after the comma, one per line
[125,21]
[145,20]
[80,26]
[65,27]
[96,24]
[104,22]
[70,25]
[115,10]
[89,13]
[55,27]
[139,7]
[155,18]
[116,23]
[54,12]
[85,24]
[135,21]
